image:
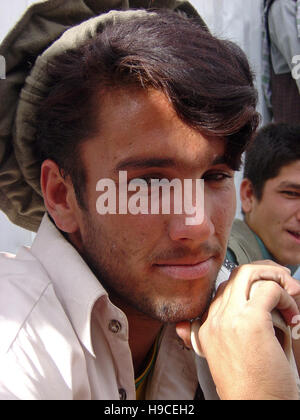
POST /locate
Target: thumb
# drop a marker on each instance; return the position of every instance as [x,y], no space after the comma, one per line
[183,330]
[195,327]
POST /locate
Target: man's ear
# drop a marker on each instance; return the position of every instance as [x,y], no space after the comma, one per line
[247,195]
[59,197]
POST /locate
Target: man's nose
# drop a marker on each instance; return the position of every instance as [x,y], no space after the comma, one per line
[191,235]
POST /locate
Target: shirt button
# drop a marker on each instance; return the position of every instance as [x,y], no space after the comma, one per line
[122,394]
[115,326]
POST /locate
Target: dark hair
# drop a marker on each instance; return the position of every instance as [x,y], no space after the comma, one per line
[207,80]
[274,146]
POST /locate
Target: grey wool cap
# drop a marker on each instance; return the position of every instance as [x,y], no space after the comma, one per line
[47,28]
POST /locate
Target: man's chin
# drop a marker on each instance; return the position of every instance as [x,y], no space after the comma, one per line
[185,304]
[174,310]
[173,315]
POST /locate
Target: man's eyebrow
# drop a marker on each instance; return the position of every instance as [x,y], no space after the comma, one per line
[219,160]
[288,184]
[157,162]
[143,163]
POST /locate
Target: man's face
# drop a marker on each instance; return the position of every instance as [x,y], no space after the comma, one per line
[155,263]
[276,217]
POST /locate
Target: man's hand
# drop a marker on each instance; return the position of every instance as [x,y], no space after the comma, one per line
[238,339]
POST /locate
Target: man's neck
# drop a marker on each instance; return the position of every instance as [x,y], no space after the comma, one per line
[143,332]
[142,336]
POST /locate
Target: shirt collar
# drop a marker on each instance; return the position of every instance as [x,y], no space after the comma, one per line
[76,286]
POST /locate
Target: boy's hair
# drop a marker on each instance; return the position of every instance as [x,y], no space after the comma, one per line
[274,146]
[207,80]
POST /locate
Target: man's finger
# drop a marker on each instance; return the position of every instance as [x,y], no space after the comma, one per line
[245,276]
[269,296]
[270,262]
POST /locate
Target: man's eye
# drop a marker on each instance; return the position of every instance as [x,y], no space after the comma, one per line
[217,176]
[291,194]
[149,178]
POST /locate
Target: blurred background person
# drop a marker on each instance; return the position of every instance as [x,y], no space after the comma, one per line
[270,196]
[281,57]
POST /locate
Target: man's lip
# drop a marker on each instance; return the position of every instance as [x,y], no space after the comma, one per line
[185,270]
[184,261]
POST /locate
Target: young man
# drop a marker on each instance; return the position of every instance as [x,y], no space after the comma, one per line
[89,312]
[270,197]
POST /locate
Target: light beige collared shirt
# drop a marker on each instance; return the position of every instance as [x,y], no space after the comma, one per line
[62,338]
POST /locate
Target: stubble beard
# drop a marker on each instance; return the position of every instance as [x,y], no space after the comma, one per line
[102,259]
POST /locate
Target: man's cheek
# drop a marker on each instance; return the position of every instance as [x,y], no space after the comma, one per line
[222,220]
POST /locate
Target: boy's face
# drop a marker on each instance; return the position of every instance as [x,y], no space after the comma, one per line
[155,263]
[276,217]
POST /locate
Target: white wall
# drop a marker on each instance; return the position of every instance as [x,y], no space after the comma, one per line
[238,20]
[11,236]
[10,12]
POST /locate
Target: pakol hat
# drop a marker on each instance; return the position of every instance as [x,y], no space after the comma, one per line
[48,28]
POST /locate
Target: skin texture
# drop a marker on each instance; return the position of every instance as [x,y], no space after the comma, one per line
[156,268]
